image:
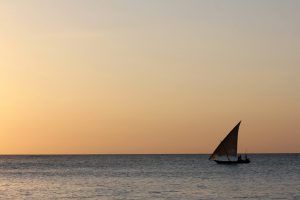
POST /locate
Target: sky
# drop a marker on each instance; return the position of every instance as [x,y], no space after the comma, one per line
[110,77]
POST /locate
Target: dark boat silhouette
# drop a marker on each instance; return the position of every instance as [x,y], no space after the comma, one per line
[228,148]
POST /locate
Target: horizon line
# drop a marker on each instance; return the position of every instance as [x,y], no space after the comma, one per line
[87,154]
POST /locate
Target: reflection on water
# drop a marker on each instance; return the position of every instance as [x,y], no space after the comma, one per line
[273,176]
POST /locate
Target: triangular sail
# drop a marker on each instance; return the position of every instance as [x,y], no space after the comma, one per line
[228,147]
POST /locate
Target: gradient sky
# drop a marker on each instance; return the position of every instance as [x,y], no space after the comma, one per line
[148,76]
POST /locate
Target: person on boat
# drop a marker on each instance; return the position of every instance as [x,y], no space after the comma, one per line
[239,158]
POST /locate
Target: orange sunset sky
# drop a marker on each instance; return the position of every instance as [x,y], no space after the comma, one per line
[148,76]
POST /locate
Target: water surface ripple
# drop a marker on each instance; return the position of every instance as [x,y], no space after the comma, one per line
[268,176]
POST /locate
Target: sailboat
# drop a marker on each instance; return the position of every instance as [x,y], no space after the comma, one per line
[228,148]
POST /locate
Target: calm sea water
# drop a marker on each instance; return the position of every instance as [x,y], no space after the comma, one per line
[273,176]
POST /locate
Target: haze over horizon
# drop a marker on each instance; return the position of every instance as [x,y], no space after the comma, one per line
[109,77]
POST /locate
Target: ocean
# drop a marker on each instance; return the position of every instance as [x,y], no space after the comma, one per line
[108,177]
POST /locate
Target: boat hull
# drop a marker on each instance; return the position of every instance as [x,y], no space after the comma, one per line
[233,162]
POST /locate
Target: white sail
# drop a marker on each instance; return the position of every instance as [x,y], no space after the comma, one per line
[228,147]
